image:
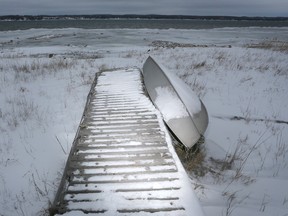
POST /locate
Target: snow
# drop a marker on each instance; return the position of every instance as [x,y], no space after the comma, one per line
[42,100]
[188,97]
[168,102]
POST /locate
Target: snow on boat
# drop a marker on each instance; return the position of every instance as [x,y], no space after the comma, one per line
[182,110]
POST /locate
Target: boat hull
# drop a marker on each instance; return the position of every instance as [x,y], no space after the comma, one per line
[176,102]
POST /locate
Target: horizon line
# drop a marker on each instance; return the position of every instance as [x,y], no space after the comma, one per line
[147,16]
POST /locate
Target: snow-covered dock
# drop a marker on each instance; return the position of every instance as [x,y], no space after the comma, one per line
[122,161]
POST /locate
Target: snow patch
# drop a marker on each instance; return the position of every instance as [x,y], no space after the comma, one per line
[170,105]
[188,97]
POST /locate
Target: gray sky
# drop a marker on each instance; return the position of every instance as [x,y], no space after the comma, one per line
[178,7]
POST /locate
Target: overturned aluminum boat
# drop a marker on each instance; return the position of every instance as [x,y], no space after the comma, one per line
[182,110]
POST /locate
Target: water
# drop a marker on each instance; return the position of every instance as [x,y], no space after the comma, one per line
[137,24]
[108,33]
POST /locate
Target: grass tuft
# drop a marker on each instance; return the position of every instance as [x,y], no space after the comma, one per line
[274,44]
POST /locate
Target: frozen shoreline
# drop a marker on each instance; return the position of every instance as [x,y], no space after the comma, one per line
[92,39]
[42,100]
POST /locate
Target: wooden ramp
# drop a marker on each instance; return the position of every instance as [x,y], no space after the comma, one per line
[122,161]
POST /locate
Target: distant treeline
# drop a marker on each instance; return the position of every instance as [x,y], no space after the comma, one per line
[132,16]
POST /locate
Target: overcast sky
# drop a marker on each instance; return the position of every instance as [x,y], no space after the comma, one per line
[168,7]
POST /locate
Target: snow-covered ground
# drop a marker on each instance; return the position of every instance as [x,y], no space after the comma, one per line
[45,76]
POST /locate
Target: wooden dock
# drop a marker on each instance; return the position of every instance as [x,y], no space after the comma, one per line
[122,161]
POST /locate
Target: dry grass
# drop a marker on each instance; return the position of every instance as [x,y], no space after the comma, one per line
[198,87]
[20,106]
[173,45]
[20,110]
[198,164]
[28,71]
[192,159]
[103,67]
[275,45]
